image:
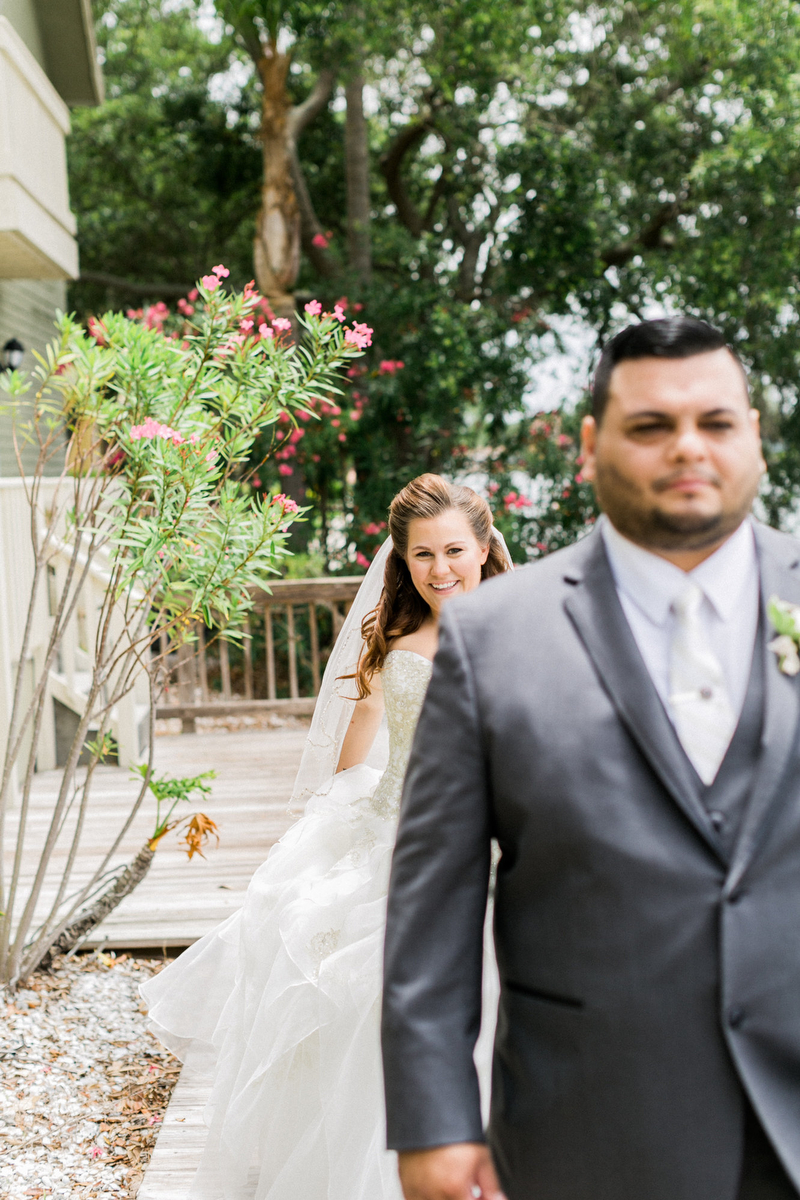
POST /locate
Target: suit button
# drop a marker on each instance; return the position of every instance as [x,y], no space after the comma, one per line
[735,1016]
[735,896]
[717,819]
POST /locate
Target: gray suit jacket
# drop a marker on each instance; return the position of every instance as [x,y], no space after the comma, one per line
[649,977]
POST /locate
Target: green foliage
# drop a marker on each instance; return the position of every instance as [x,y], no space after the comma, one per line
[163,178]
[166,425]
[531,160]
[173,791]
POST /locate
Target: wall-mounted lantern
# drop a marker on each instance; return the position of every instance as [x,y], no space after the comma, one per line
[12,355]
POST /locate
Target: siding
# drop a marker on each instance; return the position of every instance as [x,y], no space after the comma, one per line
[27,312]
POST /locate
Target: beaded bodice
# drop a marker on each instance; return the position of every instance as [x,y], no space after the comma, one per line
[405,677]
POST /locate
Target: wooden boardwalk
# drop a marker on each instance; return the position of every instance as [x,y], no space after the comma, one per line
[179,901]
[180,1143]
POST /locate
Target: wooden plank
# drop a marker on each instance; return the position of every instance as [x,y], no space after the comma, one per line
[303,706]
[294,690]
[179,900]
[272,690]
[314,638]
[247,646]
[225,668]
[302,591]
[180,1141]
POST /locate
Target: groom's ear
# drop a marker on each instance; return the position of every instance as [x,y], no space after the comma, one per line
[588,448]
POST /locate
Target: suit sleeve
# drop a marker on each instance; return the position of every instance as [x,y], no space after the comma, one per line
[436,911]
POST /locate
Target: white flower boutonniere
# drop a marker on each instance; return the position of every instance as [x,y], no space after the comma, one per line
[786,619]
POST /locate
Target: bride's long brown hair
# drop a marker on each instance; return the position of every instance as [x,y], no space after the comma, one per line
[401,609]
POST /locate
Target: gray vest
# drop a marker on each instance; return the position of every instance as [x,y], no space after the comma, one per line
[726,798]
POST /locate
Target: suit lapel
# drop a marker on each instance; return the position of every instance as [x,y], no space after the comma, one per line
[595,610]
[778,560]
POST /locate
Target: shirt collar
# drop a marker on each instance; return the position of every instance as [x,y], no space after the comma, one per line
[652,583]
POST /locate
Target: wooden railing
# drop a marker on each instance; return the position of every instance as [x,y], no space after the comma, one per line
[278,664]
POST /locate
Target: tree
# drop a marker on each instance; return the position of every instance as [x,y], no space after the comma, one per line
[526,162]
[156,512]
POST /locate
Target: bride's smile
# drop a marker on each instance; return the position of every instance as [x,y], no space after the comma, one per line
[444,557]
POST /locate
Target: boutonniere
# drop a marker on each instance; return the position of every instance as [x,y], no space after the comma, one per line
[786,619]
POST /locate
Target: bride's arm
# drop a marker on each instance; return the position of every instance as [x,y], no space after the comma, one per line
[363,726]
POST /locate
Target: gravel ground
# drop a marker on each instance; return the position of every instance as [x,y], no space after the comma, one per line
[83,1085]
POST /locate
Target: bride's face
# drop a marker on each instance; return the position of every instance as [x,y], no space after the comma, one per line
[444,557]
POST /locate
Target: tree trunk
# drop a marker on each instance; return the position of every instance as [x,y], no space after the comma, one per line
[277,241]
[97,912]
[356,148]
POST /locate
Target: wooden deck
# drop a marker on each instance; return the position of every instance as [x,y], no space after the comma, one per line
[179,900]
[180,1143]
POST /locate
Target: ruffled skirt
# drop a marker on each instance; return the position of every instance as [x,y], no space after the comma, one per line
[281,1004]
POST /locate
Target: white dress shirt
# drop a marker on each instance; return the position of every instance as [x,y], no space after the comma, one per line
[647,585]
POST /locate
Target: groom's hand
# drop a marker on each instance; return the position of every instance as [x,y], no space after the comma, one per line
[458,1172]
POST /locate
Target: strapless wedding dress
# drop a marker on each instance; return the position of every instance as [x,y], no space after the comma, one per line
[281,1003]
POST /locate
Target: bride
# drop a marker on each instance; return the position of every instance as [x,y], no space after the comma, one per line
[282,1002]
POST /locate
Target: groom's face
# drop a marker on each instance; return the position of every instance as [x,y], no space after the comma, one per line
[676,459]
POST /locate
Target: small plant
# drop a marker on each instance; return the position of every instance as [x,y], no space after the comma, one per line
[155,516]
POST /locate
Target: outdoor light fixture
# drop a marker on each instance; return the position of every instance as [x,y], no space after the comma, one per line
[12,355]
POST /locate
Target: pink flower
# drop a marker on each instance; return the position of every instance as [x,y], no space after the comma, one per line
[320,241]
[256,482]
[133,314]
[211,457]
[342,437]
[390,366]
[95,1152]
[193,294]
[209,282]
[193,439]
[338,312]
[360,336]
[355,414]
[246,325]
[313,308]
[282,323]
[152,429]
[220,271]
[97,330]
[296,435]
[285,469]
[265,331]
[315,457]
[250,290]
[374,528]
[156,315]
[579,478]
[336,424]
[286,502]
[362,559]
[185,307]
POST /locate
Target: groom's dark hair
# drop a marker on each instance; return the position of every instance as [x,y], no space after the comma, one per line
[666,337]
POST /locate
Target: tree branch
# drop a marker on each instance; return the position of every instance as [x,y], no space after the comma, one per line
[391,163]
[303,114]
[299,118]
[133,286]
[650,237]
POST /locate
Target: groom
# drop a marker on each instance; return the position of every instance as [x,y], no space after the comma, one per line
[615,717]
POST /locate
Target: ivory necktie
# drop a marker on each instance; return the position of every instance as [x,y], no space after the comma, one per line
[701,708]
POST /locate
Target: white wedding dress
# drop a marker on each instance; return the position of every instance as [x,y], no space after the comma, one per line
[282,1001]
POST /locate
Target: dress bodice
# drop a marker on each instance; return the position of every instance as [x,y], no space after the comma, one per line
[405,677]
